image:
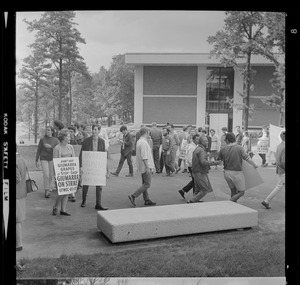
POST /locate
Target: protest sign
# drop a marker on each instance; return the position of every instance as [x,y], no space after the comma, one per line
[252,177]
[66,174]
[94,168]
[275,139]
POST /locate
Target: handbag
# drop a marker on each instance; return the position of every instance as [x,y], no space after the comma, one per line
[31,184]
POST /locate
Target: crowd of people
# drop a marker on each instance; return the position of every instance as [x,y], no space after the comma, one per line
[192,150]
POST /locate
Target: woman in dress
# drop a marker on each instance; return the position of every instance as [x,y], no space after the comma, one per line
[63,149]
[21,193]
[45,155]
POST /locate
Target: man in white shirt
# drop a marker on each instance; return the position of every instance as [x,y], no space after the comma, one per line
[145,165]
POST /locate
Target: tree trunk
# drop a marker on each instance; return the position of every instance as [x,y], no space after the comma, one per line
[247,90]
[71,105]
[60,90]
[36,115]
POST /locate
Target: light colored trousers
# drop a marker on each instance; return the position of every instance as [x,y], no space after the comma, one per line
[48,174]
[280,185]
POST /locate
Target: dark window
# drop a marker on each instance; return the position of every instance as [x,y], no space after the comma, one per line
[219,86]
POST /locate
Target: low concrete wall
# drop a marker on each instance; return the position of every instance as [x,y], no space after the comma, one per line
[162,221]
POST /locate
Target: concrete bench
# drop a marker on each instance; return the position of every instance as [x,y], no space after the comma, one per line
[131,224]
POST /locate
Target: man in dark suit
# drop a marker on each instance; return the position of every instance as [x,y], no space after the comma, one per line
[126,152]
[92,143]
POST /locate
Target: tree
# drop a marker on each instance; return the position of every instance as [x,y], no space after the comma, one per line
[243,36]
[35,72]
[275,23]
[57,40]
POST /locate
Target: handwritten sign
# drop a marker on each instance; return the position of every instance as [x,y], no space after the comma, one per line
[66,174]
[252,177]
[94,168]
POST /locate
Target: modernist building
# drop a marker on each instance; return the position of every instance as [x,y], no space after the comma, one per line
[191,88]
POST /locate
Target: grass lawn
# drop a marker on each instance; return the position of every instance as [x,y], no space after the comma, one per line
[247,253]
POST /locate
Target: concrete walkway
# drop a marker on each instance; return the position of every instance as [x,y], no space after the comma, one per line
[45,235]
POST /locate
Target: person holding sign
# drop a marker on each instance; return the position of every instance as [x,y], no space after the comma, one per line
[63,149]
[145,165]
[280,170]
[232,156]
[92,143]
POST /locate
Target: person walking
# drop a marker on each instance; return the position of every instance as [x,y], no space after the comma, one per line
[263,145]
[63,149]
[280,170]
[171,161]
[156,136]
[239,135]
[93,143]
[126,152]
[214,146]
[44,153]
[145,164]
[232,156]
[21,194]
[222,138]
[200,168]
[193,141]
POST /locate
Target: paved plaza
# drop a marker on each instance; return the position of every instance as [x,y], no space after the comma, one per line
[45,235]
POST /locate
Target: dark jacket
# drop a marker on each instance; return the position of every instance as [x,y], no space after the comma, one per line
[128,144]
[199,161]
[87,145]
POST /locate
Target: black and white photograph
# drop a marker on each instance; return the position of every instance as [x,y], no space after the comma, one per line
[149,148]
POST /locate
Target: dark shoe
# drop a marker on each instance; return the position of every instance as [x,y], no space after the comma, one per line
[65,213]
[47,195]
[132,200]
[184,171]
[114,173]
[266,205]
[54,211]
[181,192]
[99,207]
[73,199]
[83,204]
[149,203]
[19,248]
[158,172]
[274,163]
[177,170]
[129,175]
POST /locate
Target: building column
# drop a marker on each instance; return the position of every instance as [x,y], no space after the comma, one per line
[138,96]
[201,96]
[237,119]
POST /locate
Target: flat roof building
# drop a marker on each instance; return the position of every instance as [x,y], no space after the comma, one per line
[191,88]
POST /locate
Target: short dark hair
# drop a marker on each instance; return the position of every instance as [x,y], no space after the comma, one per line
[97,126]
[76,125]
[204,131]
[195,136]
[230,137]
[200,129]
[143,131]
[59,124]
[123,128]
[72,128]
[224,129]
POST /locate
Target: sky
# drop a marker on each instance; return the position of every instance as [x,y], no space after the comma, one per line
[109,33]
